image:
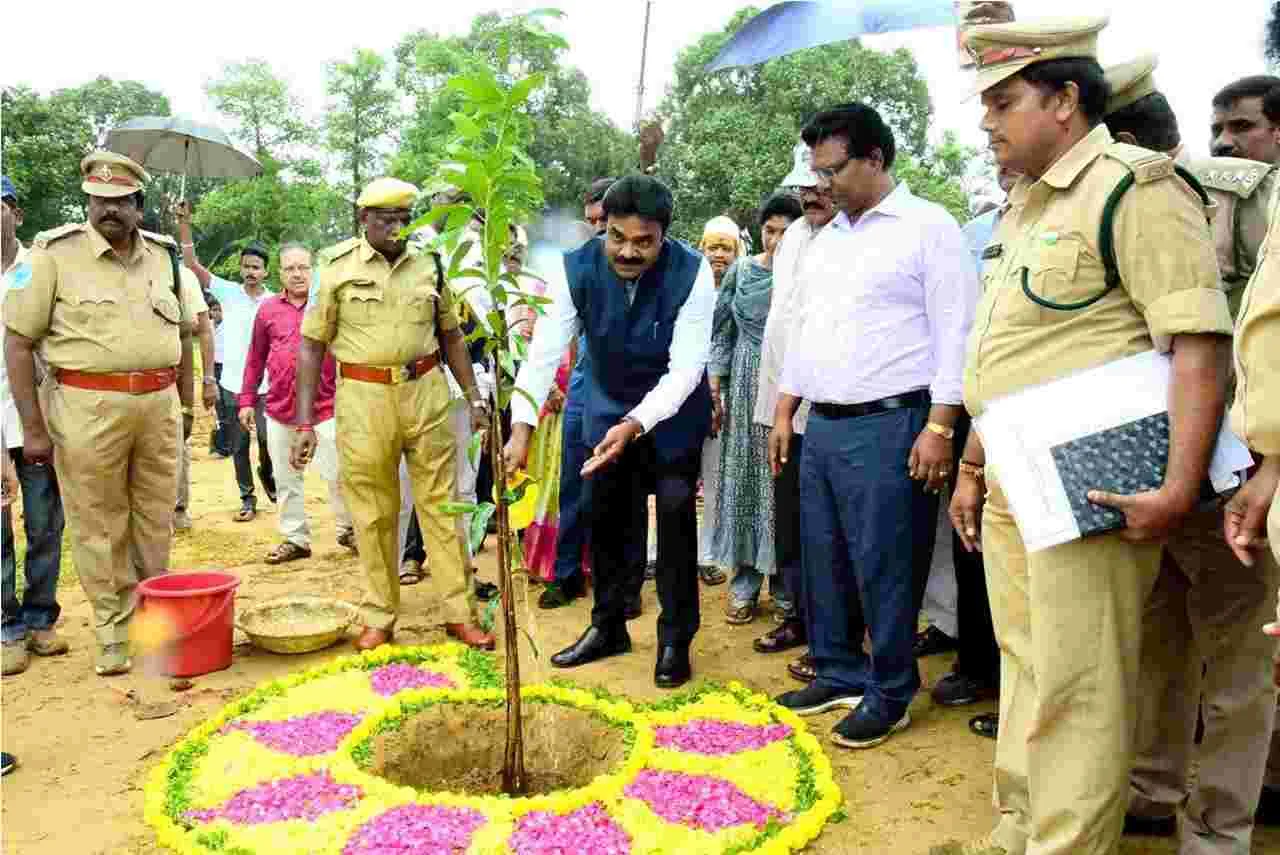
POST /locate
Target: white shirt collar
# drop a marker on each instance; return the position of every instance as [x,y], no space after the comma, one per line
[893,205]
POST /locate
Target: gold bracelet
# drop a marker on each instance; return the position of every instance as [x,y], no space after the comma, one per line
[972,470]
[941,430]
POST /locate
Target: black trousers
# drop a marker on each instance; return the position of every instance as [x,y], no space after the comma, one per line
[786,524]
[220,441]
[977,655]
[239,440]
[610,500]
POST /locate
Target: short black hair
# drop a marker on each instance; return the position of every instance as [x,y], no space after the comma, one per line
[1053,75]
[1254,86]
[861,127]
[259,250]
[781,205]
[642,196]
[1151,121]
[595,193]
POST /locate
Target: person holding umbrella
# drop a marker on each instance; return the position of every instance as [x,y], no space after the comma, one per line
[100,300]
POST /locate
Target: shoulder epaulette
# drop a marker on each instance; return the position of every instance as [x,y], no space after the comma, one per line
[1231,174]
[156,237]
[1145,164]
[47,237]
[338,250]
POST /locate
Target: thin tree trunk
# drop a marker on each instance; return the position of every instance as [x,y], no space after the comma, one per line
[513,774]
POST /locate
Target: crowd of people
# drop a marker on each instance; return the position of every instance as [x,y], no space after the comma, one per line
[815,398]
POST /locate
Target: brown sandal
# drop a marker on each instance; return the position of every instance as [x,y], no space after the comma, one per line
[711,575]
[803,669]
[246,514]
[287,551]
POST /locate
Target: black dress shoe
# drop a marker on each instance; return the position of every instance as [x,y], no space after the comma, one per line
[1268,807]
[594,644]
[651,570]
[673,668]
[956,689]
[1150,826]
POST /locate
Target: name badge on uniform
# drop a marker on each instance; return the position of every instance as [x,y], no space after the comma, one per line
[994,250]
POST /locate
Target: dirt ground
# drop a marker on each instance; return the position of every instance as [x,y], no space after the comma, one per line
[84,755]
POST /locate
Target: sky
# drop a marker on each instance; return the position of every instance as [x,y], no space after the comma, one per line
[178,51]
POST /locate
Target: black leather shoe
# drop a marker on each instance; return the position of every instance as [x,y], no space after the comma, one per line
[651,570]
[1150,826]
[1268,807]
[594,644]
[634,608]
[933,641]
[958,689]
[673,668]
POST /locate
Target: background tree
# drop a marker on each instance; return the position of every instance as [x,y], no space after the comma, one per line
[730,133]
[43,139]
[292,199]
[570,143]
[362,114]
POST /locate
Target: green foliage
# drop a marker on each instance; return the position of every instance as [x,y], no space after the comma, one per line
[43,139]
[730,133]
[938,174]
[268,117]
[569,143]
[362,112]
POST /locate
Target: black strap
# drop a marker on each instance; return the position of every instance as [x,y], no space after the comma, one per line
[1106,242]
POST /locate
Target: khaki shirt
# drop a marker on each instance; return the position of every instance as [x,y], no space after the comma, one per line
[193,303]
[1241,191]
[92,311]
[372,312]
[1164,253]
[1255,416]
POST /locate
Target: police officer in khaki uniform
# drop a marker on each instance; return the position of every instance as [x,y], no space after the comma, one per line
[100,303]
[1069,618]
[1253,515]
[1200,636]
[380,310]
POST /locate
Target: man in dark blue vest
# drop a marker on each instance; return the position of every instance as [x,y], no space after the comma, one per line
[643,303]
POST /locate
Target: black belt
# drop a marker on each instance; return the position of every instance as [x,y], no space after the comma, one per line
[916,398]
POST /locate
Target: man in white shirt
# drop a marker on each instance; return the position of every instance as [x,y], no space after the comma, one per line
[791,255]
[27,625]
[878,350]
[239,308]
[644,302]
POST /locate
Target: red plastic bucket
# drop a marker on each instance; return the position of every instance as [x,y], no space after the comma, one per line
[201,609]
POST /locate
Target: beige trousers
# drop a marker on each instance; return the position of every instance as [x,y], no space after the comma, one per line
[118,468]
[290,498]
[1069,624]
[376,425]
[1202,648]
[1272,779]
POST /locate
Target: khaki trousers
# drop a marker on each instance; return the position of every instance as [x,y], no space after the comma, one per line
[1069,624]
[376,425]
[1202,648]
[184,472]
[116,462]
[1272,779]
[290,498]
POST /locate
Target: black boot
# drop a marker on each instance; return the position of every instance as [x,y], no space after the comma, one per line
[673,668]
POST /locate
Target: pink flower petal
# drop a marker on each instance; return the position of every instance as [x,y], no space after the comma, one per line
[303,736]
[589,829]
[416,830]
[699,801]
[300,797]
[398,676]
[718,737]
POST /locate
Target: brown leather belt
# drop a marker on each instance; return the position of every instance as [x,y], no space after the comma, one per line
[389,376]
[131,382]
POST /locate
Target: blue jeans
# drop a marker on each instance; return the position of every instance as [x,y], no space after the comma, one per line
[863,526]
[43,523]
[574,522]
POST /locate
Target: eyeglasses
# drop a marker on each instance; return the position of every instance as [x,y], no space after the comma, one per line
[827,173]
[296,268]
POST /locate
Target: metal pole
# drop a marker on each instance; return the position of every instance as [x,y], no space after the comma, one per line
[644,52]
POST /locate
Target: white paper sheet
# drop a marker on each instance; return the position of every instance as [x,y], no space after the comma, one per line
[1019,431]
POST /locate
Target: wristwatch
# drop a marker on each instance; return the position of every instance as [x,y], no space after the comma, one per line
[941,430]
[479,404]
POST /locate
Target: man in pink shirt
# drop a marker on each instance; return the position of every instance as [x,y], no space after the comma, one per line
[273,347]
